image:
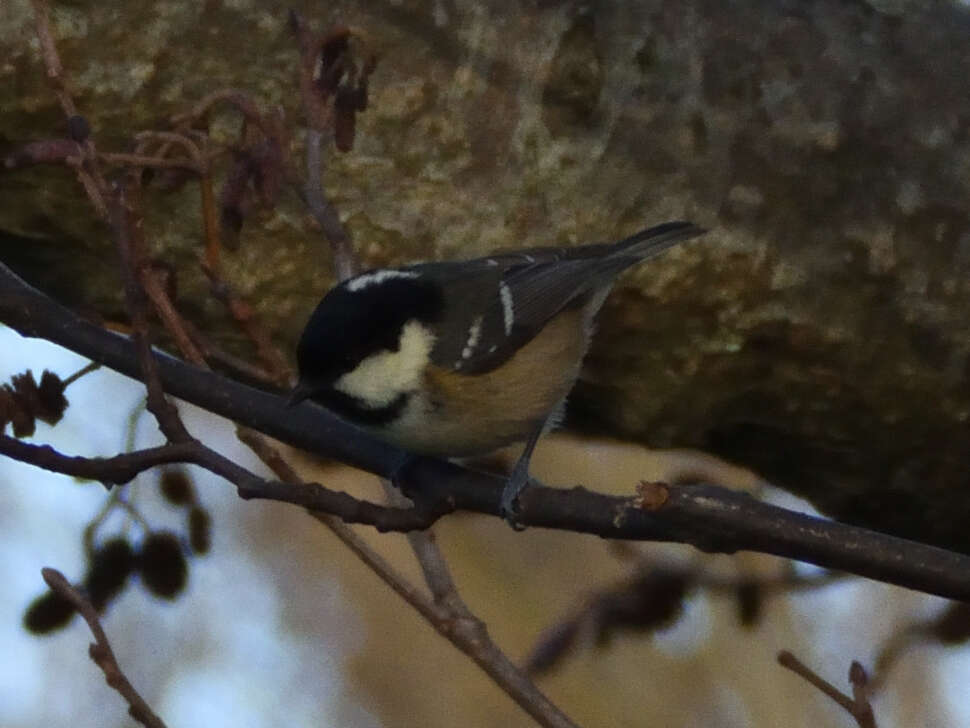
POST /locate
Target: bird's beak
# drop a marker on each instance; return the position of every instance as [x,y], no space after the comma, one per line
[300,392]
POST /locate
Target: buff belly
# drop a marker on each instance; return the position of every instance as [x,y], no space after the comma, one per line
[461,415]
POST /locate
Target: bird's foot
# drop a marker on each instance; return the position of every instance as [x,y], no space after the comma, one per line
[399,474]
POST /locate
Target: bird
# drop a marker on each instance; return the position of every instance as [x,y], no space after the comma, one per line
[459,358]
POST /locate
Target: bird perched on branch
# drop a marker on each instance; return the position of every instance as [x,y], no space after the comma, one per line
[460,358]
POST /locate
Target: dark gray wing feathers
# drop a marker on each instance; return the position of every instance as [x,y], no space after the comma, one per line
[509,298]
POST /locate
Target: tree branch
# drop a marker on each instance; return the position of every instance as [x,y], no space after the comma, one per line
[101,652]
[710,518]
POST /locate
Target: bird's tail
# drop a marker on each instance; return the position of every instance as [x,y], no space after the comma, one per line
[653,241]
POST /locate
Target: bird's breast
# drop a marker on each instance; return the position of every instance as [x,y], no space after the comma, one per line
[452,414]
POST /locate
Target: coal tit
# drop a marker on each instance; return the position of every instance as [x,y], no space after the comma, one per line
[460,358]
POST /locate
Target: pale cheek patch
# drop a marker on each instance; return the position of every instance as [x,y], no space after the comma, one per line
[376,277]
[383,377]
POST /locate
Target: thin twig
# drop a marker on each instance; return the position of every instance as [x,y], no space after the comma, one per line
[858,707]
[86,369]
[323,212]
[242,101]
[127,228]
[52,61]
[437,574]
[174,138]
[861,691]
[319,120]
[141,160]
[235,366]
[101,652]
[242,313]
[787,660]
[115,470]
[122,468]
[88,174]
[43,151]
[170,318]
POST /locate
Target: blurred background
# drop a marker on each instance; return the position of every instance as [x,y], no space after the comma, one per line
[814,344]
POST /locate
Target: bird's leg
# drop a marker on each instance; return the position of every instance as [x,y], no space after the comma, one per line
[519,480]
[398,475]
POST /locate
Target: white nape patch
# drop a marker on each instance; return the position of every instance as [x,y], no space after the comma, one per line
[492,262]
[382,377]
[376,277]
[508,315]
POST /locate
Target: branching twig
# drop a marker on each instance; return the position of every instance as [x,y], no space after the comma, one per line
[115,470]
[857,706]
[89,176]
[128,231]
[101,651]
[319,118]
[124,467]
[461,628]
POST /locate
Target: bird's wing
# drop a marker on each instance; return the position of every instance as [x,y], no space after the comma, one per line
[517,294]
